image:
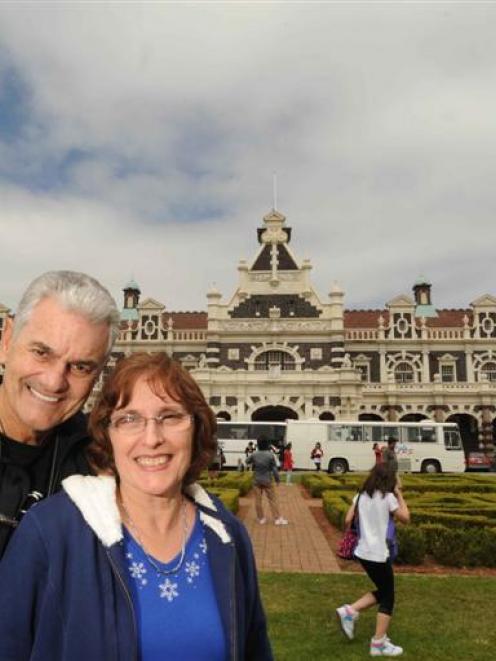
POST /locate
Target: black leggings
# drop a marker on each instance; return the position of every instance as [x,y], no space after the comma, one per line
[381,574]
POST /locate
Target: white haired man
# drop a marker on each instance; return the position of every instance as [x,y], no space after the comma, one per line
[52,352]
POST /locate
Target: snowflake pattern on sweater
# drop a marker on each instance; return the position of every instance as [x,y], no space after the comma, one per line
[169,587]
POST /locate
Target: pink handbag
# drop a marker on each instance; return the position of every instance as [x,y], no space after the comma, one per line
[347,545]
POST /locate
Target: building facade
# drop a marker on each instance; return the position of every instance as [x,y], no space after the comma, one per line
[275,350]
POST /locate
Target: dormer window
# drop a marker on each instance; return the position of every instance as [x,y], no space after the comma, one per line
[489,371]
[403,373]
[274,359]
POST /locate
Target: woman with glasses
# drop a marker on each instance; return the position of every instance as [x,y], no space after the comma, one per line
[138,562]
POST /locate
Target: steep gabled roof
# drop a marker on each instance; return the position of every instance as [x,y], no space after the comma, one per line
[364,318]
[186,320]
[369,318]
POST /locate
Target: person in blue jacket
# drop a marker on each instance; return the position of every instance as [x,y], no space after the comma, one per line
[137,562]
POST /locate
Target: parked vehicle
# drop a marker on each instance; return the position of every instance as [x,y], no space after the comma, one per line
[234,437]
[478,461]
[427,447]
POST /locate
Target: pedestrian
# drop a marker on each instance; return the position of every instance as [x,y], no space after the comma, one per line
[316,455]
[275,451]
[94,572]
[287,462]
[389,456]
[377,500]
[53,351]
[378,453]
[249,450]
[216,463]
[264,466]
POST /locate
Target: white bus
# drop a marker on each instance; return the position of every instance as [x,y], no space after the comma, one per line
[233,438]
[425,446]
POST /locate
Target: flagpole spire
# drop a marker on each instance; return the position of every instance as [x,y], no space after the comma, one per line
[274,191]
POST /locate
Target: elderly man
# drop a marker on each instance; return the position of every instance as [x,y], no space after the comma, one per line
[52,352]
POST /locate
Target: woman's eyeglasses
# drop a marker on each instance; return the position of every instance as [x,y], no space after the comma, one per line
[133,423]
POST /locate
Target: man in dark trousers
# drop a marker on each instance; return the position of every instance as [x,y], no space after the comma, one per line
[265,468]
[52,352]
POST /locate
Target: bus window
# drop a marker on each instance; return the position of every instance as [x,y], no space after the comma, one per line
[367,433]
[278,434]
[338,433]
[391,432]
[452,440]
[232,431]
[377,434]
[335,433]
[411,434]
[354,433]
[427,435]
[255,431]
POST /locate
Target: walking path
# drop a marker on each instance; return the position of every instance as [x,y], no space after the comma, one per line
[298,547]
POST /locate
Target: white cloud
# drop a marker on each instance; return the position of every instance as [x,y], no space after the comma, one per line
[379,119]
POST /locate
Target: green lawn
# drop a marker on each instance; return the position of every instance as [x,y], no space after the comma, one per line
[436,618]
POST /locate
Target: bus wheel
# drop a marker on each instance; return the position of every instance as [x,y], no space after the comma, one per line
[431,466]
[338,466]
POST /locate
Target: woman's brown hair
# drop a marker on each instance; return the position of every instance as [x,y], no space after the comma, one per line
[163,375]
[381,478]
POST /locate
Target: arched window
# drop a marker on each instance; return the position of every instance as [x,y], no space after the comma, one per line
[489,370]
[403,373]
[273,360]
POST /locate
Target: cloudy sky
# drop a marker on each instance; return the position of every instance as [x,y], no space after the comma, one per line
[139,139]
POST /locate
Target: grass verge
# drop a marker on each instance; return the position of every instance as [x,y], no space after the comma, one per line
[437,618]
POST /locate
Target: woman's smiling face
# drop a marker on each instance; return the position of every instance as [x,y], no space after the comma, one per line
[152,459]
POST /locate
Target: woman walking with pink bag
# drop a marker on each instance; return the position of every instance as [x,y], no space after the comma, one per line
[378,499]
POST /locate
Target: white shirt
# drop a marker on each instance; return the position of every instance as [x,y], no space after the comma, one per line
[373,518]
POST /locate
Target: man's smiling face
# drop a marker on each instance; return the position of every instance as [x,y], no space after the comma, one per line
[50,368]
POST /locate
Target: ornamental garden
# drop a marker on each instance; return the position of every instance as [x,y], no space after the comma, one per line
[453,517]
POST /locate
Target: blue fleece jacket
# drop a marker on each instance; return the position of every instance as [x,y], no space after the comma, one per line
[64,589]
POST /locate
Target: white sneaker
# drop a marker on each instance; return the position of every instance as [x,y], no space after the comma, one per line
[262,521]
[281,522]
[347,620]
[384,647]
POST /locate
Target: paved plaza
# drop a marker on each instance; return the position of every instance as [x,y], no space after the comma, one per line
[298,547]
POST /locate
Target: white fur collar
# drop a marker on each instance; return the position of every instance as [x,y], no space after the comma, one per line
[95,498]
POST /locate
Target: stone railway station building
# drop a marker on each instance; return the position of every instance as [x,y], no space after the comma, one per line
[275,350]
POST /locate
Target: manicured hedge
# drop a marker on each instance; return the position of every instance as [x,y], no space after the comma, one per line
[457,527]
[412,545]
[242,481]
[446,483]
[317,484]
[461,547]
[230,497]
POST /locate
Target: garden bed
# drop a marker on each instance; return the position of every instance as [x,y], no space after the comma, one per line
[429,566]
[452,528]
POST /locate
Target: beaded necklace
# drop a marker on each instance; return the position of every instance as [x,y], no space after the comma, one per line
[160,570]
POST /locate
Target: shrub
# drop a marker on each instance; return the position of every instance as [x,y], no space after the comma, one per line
[230,497]
[243,482]
[449,547]
[229,480]
[335,508]
[317,484]
[481,547]
[412,545]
